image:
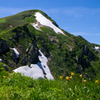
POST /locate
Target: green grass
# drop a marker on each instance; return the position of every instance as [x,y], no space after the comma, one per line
[17,87]
[2,20]
[15,20]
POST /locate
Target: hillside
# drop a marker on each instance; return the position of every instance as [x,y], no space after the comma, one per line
[26,35]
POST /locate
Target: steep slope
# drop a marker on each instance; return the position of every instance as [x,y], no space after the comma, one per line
[27,33]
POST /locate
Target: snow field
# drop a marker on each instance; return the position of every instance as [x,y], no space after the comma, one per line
[46,22]
[36,70]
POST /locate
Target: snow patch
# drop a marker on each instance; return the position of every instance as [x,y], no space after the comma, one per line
[34,72]
[97,48]
[37,71]
[16,52]
[0,60]
[36,26]
[46,22]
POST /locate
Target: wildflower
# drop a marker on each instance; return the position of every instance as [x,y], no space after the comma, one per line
[84,81]
[96,81]
[9,75]
[61,77]
[67,78]
[4,76]
[80,75]
[72,74]
[1,68]
[70,77]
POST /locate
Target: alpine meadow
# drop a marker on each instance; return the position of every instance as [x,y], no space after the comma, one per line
[41,61]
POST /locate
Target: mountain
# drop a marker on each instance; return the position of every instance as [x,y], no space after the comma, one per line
[32,43]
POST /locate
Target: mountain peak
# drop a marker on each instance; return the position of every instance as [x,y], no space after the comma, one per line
[34,34]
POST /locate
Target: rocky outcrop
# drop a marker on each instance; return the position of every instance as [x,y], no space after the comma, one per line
[34,55]
[24,61]
[3,47]
[23,35]
[84,62]
[33,52]
[16,37]
[91,55]
[85,50]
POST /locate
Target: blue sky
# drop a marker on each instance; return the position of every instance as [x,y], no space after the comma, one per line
[78,17]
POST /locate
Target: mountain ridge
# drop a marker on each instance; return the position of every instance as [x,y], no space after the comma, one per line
[65,54]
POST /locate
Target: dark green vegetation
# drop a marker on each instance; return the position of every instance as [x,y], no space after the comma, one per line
[17,87]
[65,53]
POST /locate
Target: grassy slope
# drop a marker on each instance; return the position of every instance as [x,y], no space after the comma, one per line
[17,87]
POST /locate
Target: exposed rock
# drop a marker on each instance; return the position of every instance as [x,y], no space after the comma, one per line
[34,43]
[32,50]
[55,24]
[3,47]
[16,37]
[91,55]
[34,55]
[6,68]
[23,35]
[24,61]
[5,59]
[33,36]
[85,50]
[83,62]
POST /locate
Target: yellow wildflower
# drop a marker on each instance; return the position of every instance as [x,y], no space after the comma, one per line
[72,74]
[4,76]
[80,75]
[70,77]
[67,78]
[96,81]
[61,77]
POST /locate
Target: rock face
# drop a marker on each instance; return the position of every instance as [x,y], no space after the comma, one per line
[34,55]
[3,47]
[83,62]
[86,51]
[32,50]
[91,55]
[24,61]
